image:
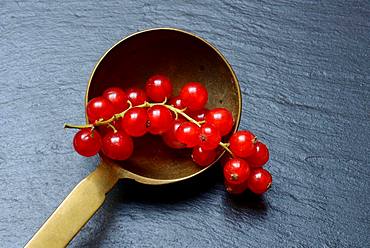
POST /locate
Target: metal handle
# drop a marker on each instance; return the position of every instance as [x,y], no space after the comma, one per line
[78,207]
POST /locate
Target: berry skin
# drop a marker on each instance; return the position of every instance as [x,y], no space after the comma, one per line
[136,96]
[169,137]
[99,107]
[86,142]
[158,88]
[134,123]
[259,181]
[242,143]
[177,102]
[236,189]
[117,97]
[188,134]
[194,96]
[236,171]
[160,119]
[260,156]
[117,146]
[209,137]
[226,157]
[220,118]
[203,157]
[198,115]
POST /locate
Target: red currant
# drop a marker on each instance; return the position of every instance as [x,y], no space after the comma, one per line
[118,97]
[236,171]
[260,156]
[203,157]
[158,88]
[169,137]
[86,142]
[117,146]
[136,96]
[99,107]
[135,121]
[259,181]
[236,189]
[177,102]
[194,96]
[209,137]
[188,134]
[160,119]
[220,118]
[242,143]
[198,115]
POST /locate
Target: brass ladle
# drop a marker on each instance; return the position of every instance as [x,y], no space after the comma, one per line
[183,57]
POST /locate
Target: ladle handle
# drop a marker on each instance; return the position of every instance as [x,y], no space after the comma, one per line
[78,207]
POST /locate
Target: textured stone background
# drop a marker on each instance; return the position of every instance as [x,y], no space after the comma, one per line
[304,68]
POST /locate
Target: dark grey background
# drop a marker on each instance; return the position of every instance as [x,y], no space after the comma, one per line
[304,68]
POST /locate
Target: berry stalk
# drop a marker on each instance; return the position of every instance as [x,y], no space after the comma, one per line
[146,104]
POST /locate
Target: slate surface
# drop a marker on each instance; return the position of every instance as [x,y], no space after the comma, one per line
[304,68]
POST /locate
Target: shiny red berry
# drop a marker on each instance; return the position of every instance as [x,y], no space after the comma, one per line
[158,88]
[160,119]
[117,146]
[117,97]
[209,137]
[169,137]
[237,188]
[259,181]
[203,157]
[135,121]
[99,107]
[198,115]
[194,96]
[236,171]
[260,156]
[188,134]
[136,96]
[242,143]
[220,118]
[176,102]
[86,142]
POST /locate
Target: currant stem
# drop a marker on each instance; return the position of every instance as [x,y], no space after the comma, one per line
[181,112]
[66,125]
[226,147]
[146,104]
[111,126]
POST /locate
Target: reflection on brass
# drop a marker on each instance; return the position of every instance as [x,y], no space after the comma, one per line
[183,57]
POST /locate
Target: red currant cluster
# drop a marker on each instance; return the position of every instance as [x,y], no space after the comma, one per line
[117,116]
[245,171]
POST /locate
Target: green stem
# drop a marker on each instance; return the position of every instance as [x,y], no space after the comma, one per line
[145,105]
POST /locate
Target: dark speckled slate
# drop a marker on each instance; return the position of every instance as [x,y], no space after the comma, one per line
[304,68]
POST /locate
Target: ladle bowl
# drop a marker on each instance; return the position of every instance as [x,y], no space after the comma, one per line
[183,57]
